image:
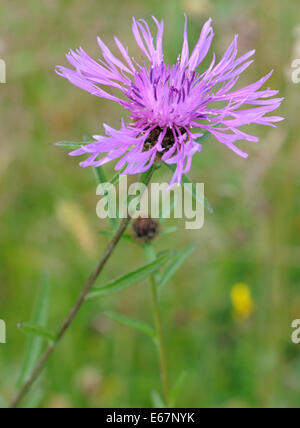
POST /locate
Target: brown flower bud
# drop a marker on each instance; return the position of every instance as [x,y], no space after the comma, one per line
[145,229]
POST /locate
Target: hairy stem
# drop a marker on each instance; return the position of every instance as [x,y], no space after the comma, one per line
[77,306]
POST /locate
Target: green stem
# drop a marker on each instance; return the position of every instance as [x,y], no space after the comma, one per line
[145,178]
[150,255]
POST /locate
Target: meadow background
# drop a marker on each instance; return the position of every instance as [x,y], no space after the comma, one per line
[48,223]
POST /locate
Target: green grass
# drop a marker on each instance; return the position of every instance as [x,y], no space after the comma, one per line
[253,236]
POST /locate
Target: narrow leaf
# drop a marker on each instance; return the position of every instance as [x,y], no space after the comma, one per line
[129,279]
[168,230]
[177,388]
[125,237]
[205,136]
[138,325]
[39,318]
[36,331]
[157,401]
[201,198]
[116,177]
[175,265]
[73,145]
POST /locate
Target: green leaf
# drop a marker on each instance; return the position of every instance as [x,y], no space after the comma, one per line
[174,266]
[39,318]
[177,388]
[3,404]
[146,176]
[201,198]
[157,401]
[36,331]
[125,237]
[168,230]
[116,177]
[129,279]
[138,325]
[73,145]
[205,136]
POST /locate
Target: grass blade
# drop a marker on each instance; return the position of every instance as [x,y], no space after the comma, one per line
[177,388]
[130,278]
[73,145]
[129,322]
[36,331]
[126,237]
[168,230]
[39,318]
[174,266]
[157,400]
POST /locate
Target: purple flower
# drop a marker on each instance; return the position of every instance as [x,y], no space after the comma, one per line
[170,106]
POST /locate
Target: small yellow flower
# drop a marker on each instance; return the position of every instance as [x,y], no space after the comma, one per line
[243,305]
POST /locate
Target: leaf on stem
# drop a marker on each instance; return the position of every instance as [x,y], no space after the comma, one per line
[125,237]
[177,388]
[37,331]
[157,401]
[178,260]
[168,230]
[130,278]
[73,145]
[138,325]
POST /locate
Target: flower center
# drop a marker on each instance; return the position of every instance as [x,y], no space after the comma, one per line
[167,143]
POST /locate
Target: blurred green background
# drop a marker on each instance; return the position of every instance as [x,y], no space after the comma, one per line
[48,221]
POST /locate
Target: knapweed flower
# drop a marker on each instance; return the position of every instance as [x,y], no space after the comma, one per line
[170,106]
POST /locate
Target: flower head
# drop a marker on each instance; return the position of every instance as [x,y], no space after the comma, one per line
[170,106]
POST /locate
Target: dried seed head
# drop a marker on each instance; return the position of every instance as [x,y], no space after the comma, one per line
[145,229]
